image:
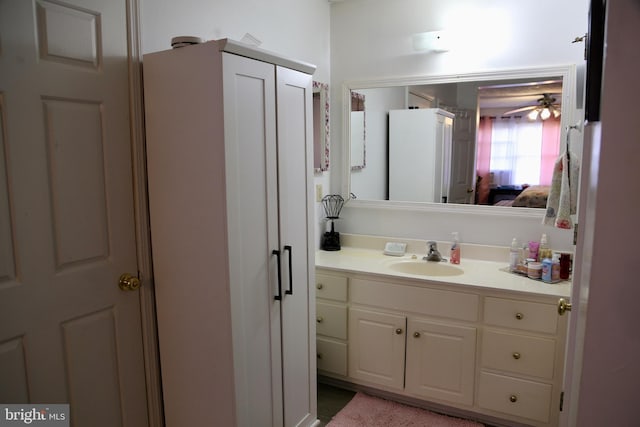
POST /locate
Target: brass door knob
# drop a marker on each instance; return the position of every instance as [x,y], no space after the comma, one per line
[563,306]
[398,331]
[128,282]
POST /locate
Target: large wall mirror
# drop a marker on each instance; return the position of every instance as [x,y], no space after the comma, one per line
[465,140]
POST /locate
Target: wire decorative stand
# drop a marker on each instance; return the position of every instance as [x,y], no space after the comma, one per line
[332,205]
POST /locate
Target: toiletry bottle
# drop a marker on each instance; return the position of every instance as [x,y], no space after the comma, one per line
[455,249]
[555,268]
[546,270]
[514,255]
[533,250]
[544,251]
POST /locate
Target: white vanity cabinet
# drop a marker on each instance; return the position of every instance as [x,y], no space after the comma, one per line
[495,353]
[229,145]
[521,359]
[413,339]
[331,324]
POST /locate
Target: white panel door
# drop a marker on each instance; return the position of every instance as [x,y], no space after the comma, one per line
[440,361]
[252,215]
[377,347]
[295,145]
[68,334]
[463,150]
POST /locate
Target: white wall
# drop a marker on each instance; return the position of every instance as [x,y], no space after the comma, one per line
[371,39]
[293,28]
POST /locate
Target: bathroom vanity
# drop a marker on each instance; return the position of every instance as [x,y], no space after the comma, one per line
[471,339]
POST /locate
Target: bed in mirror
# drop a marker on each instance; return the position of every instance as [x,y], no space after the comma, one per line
[486,139]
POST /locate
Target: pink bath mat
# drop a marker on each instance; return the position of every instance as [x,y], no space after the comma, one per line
[368,411]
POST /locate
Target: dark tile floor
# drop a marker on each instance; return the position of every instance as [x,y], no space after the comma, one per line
[330,401]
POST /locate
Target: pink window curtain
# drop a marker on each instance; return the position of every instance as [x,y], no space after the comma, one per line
[550,148]
[483,160]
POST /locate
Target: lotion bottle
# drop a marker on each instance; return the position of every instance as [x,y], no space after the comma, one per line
[455,249]
[514,255]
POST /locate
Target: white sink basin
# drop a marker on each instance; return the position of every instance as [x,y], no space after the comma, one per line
[426,268]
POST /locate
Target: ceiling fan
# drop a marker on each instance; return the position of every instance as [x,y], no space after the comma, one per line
[546,108]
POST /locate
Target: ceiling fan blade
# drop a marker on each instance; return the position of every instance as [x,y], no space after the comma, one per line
[519,110]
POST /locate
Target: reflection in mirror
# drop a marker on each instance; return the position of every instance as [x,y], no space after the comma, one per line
[320,126]
[358,132]
[499,150]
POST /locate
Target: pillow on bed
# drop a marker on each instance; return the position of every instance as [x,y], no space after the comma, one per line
[532,197]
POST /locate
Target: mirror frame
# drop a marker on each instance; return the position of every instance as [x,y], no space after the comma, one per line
[323,90]
[568,73]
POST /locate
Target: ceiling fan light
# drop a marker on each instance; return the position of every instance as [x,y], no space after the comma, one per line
[533,114]
[545,113]
[556,113]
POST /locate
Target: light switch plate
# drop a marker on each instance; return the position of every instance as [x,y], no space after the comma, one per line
[395,248]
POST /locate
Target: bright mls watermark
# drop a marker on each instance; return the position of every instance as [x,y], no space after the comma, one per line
[34,415]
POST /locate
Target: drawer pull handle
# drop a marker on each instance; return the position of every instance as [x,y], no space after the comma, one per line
[319,356]
[516,355]
[319,319]
[398,331]
[319,286]
[519,316]
[513,398]
[416,334]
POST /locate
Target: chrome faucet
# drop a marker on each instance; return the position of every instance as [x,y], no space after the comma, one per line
[433,254]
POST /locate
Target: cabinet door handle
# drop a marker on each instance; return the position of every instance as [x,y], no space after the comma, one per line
[320,319]
[277,254]
[319,286]
[290,290]
[398,331]
[519,316]
[513,398]
[416,334]
[516,355]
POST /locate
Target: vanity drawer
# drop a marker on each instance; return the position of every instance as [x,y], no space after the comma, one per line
[331,356]
[525,315]
[519,354]
[331,320]
[331,287]
[432,302]
[515,396]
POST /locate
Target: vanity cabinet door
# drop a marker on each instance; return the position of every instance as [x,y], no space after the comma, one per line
[440,361]
[377,347]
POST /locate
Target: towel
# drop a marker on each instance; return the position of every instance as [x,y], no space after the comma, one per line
[563,195]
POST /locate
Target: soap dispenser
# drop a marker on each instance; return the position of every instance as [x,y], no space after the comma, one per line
[455,249]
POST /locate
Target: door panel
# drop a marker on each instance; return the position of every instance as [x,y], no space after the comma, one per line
[377,347]
[295,146]
[252,215]
[441,361]
[67,332]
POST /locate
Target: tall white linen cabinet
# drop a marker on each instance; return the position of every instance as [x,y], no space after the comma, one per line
[230,166]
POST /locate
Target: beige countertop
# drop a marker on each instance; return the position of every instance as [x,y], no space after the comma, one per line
[482,271]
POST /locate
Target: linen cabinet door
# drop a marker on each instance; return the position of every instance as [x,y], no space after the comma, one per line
[252,217]
[376,347]
[440,361]
[295,169]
